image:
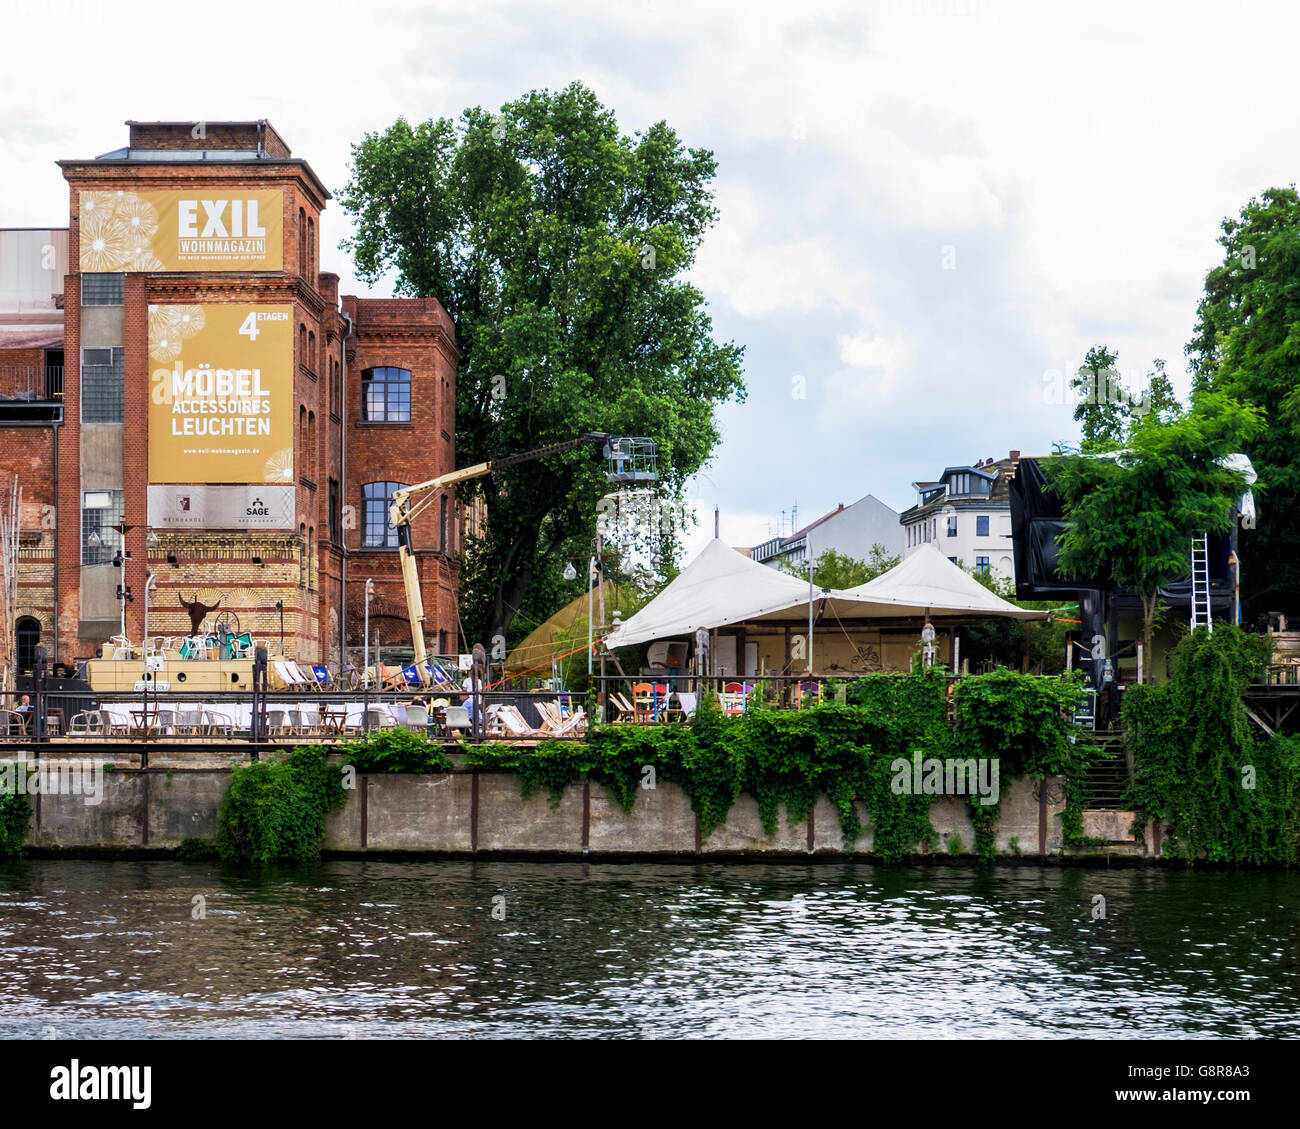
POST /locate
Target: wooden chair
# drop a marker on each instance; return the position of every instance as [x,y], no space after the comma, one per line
[643,701]
[623,706]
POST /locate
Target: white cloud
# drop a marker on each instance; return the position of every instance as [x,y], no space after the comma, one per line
[872,351]
[1078,160]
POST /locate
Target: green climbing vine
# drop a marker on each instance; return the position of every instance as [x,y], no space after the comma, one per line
[1229,792]
[15,817]
[1024,722]
[274,810]
[394,750]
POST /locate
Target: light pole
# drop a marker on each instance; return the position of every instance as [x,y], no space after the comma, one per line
[124,594]
[144,642]
[119,561]
[808,549]
[591,584]
[365,662]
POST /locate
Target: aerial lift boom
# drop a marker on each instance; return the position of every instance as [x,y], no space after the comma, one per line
[629,459]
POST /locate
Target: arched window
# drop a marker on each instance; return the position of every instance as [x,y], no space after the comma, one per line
[311,249]
[376,531]
[302,432]
[28,632]
[302,242]
[311,445]
[311,350]
[386,395]
[311,557]
[302,344]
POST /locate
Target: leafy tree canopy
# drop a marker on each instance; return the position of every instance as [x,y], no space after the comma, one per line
[1133,516]
[1106,408]
[838,570]
[1247,345]
[558,245]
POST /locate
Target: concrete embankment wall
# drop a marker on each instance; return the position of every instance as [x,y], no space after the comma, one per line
[483,813]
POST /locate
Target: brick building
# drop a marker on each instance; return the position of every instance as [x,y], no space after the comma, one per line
[181,384]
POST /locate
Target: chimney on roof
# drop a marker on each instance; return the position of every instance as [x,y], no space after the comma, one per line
[1014,455]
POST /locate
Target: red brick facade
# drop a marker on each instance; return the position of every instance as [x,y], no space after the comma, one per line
[316,571]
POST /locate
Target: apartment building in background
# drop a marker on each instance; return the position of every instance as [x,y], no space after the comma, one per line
[966,514]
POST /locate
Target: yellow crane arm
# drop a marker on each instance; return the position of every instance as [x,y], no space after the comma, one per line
[403,510]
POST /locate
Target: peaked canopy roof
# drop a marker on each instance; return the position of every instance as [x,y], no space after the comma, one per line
[717,588]
[721,587]
[925,580]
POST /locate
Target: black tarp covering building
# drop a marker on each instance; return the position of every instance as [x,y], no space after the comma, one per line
[1037,521]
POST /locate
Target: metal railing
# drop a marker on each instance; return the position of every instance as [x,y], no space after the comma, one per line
[664,699]
[39,716]
[31,383]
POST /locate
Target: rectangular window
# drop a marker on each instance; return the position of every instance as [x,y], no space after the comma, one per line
[981,564]
[376,532]
[982,526]
[101,289]
[386,395]
[102,379]
[334,510]
[954,560]
[442,524]
[100,511]
[952,527]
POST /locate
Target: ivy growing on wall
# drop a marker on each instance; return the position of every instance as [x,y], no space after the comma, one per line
[845,752]
[1026,723]
[1230,793]
[394,750]
[15,817]
[274,810]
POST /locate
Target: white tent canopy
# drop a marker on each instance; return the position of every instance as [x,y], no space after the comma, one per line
[925,581]
[717,588]
[721,587]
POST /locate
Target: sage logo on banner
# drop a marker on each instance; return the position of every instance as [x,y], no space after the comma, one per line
[221,507]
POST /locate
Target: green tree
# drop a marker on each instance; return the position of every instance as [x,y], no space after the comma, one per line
[1132,517]
[838,570]
[1158,396]
[1247,345]
[1103,406]
[558,245]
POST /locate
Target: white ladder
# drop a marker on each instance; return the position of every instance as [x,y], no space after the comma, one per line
[1201,583]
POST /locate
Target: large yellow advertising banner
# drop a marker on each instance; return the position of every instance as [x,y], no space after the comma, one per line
[202,229]
[221,393]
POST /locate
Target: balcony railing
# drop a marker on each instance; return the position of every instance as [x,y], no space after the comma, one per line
[31,383]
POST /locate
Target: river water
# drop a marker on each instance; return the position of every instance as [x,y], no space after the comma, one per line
[162,949]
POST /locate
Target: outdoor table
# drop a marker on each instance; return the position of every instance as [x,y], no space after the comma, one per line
[143,721]
[332,721]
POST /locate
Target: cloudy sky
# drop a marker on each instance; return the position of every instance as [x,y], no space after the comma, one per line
[930,209]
